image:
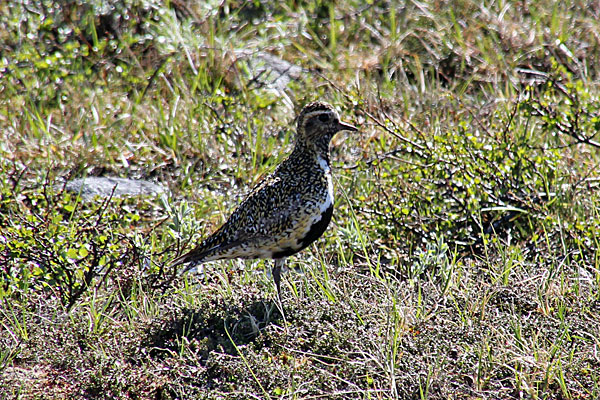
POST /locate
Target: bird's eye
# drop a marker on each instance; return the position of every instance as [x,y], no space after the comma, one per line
[324,117]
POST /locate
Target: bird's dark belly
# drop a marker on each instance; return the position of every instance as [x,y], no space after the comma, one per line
[315,232]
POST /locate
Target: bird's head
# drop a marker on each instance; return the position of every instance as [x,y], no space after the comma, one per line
[318,122]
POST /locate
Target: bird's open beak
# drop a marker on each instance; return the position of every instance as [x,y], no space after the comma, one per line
[346,127]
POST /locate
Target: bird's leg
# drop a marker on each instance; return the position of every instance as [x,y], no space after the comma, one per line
[276,271]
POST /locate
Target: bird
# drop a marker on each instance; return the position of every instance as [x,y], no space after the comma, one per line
[287,210]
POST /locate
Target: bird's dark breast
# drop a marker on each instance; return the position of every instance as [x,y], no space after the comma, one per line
[315,232]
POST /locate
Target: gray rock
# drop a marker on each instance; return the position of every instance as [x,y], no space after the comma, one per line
[103,186]
[269,71]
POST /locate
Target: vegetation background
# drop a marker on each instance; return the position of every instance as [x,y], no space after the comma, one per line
[463,259]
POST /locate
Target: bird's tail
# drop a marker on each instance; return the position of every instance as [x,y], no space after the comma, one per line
[199,254]
[182,259]
[193,257]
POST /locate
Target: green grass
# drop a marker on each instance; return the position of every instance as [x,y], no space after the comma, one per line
[462,260]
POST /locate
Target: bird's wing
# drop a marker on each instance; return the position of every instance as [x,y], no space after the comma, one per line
[269,210]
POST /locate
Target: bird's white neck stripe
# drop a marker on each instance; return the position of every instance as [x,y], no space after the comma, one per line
[327,170]
[323,164]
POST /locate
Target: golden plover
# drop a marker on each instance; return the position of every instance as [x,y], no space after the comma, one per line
[289,209]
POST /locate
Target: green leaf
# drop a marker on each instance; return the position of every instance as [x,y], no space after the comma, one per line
[72,253]
[83,252]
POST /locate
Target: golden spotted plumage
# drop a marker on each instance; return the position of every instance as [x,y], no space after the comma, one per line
[287,210]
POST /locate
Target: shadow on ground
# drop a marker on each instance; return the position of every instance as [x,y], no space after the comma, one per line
[215,326]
